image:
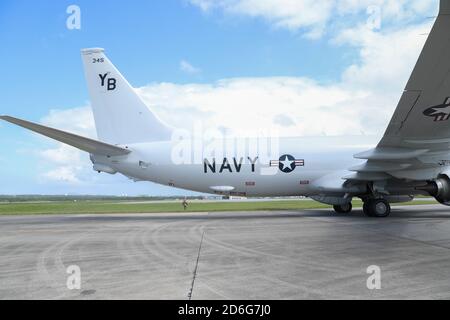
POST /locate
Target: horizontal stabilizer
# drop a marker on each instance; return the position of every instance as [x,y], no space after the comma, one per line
[82,143]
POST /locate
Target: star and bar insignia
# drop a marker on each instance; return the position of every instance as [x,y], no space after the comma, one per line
[287,163]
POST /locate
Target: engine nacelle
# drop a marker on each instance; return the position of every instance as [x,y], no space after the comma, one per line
[333,201]
[439,189]
[398,199]
[100,167]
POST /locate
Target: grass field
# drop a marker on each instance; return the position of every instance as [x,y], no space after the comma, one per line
[71,207]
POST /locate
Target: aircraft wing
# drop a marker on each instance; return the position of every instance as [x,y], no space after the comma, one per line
[82,143]
[418,135]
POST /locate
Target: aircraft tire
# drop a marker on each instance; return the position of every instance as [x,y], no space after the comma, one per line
[378,208]
[347,208]
[366,209]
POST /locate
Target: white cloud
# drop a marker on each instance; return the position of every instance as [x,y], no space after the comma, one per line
[385,59]
[76,120]
[185,66]
[283,120]
[67,174]
[362,101]
[291,14]
[246,105]
[313,17]
[62,155]
[401,10]
[67,164]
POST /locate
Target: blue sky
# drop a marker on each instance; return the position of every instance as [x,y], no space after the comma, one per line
[301,49]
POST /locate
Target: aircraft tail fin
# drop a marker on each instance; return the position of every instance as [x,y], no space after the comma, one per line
[120,114]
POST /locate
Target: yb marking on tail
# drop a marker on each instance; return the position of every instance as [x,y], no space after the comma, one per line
[110,83]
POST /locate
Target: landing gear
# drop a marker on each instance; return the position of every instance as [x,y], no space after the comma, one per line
[379,208]
[345,208]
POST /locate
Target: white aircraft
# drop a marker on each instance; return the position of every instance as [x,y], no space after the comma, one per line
[413,156]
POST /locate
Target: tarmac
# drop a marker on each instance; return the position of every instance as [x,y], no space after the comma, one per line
[308,254]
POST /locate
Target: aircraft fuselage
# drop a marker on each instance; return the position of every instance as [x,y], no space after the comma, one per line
[290,170]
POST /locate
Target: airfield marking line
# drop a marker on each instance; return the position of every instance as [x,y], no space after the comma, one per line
[196,267]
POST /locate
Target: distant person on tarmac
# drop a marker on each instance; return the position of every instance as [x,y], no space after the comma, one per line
[185,204]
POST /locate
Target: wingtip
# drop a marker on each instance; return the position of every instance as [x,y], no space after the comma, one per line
[6,118]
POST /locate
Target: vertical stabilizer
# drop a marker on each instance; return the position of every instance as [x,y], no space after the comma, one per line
[120,114]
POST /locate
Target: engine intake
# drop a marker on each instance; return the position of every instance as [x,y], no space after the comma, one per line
[439,189]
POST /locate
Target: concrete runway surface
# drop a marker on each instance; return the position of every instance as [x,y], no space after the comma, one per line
[311,254]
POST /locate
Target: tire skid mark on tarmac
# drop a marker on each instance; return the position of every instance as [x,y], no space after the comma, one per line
[168,254]
[13,268]
[207,284]
[49,275]
[210,239]
[153,250]
[213,242]
[205,276]
[184,262]
[128,246]
[90,276]
[304,262]
[137,257]
[146,248]
[14,253]
[171,246]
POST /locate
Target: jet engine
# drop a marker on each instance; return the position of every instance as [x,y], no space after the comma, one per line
[439,189]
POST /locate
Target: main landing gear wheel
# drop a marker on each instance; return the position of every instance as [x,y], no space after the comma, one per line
[345,208]
[379,208]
